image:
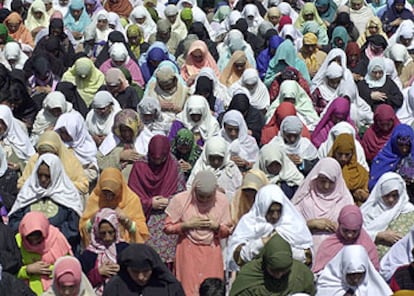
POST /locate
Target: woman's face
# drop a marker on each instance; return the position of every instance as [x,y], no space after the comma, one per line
[102,24]
[353,58]
[322,9]
[373,29]
[274,168]
[277,274]
[249,194]
[140,20]
[107,233]
[3,127]
[205,198]
[195,117]
[405,41]
[67,290]
[385,125]
[103,112]
[239,67]
[35,238]
[157,161]
[140,277]
[56,112]
[168,86]
[43,174]
[290,138]
[76,13]
[356,5]
[108,195]
[339,42]
[133,40]
[38,15]
[231,131]
[376,74]
[216,161]
[404,148]
[127,134]
[391,199]
[172,18]
[349,235]
[324,185]
[184,149]
[197,56]
[355,279]
[89,7]
[64,135]
[274,213]
[274,19]
[343,157]
[13,27]
[308,17]
[334,82]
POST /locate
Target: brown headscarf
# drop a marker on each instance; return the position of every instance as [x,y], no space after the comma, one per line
[122,7]
[22,35]
[228,76]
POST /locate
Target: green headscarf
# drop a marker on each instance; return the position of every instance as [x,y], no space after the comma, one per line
[221,13]
[339,32]
[186,137]
[135,31]
[187,16]
[4,31]
[277,255]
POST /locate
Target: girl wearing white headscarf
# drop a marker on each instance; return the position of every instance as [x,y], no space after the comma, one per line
[177,25]
[100,119]
[32,22]
[279,169]
[114,23]
[256,227]
[339,276]
[12,56]
[286,9]
[388,213]
[405,30]
[342,127]
[53,106]
[259,96]
[150,111]
[242,147]
[361,15]
[406,113]
[72,129]
[198,14]
[299,149]
[403,62]
[251,13]
[289,31]
[216,158]
[148,26]
[14,139]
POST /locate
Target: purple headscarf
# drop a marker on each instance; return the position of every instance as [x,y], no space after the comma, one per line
[265,55]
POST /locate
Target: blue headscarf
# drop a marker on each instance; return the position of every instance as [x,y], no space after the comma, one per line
[330,14]
[158,51]
[262,61]
[84,19]
[389,157]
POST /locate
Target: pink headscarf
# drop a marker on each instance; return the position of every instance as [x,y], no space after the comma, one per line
[350,217]
[68,271]
[339,107]
[314,205]
[53,246]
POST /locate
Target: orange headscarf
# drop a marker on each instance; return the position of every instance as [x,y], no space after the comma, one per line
[122,7]
[228,76]
[22,35]
[111,179]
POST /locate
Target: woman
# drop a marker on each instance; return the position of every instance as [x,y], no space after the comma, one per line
[136,40]
[86,77]
[68,276]
[72,96]
[141,17]
[127,142]
[156,180]
[150,60]
[339,38]
[157,122]
[279,169]
[37,17]
[216,158]
[373,27]
[50,191]
[360,13]
[17,30]
[40,244]
[406,112]
[320,199]
[263,59]
[272,128]
[234,68]
[271,213]
[245,197]
[197,58]
[100,119]
[349,232]
[309,12]
[403,62]
[351,272]
[197,118]
[251,13]
[353,52]
[77,19]
[242,147]
[337,112]
[355,175]
[121,7]
[14,57]
[201,217]
[378,134]
[311,54]
[112,192]
[326,10]
[50,142]
[394,14]
[299,149]
[14,139]
[177,25]
[274,271]
[99,260]
[376,88]
[142,272]
[388,213]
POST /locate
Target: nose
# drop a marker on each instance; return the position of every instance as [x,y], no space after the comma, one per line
[326,185]
[141,276]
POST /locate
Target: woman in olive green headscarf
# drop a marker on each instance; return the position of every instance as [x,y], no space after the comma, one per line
[135,37]
[274,272]
[187,17]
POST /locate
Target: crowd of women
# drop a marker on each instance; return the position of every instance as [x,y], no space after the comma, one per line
[247,147]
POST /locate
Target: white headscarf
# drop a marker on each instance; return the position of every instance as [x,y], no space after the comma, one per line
[160,125]
[252,10]
[286,9]
[351,259]
[333,71]
[398,53]
[406,30]
[289,172]
[398,255]
[244,146]
[14,135]
[113,19]
[291,225]
[44,119]
[149,26]
[207,126]
[118,52]
[259,96]
[61,189]
[406,113]
[13,51]
[3,162]
[376,64]
[82,142]
[97,125]
[290,30]
[178,26]
[343,127]
[303,146]
[377,216]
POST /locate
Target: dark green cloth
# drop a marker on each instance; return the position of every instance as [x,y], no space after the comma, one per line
[4,31]
[253,279]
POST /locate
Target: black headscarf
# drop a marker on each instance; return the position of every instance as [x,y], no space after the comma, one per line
[197,28]
[141,257]
[205,85]
[4,79]
[56,23]
[4,13]
[72,96]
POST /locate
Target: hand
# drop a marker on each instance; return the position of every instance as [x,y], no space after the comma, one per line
[295,159]
[265,239]
[191,80]
[108,270]
[214,225]
[240,162]
[396,22]
[98,139]
[121,214]
[185,166]
[38,268]
[129,155]
[197,223]
[323,224]
[159,202]
[378,96]
[388,237]
[77,35]
[13,166]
